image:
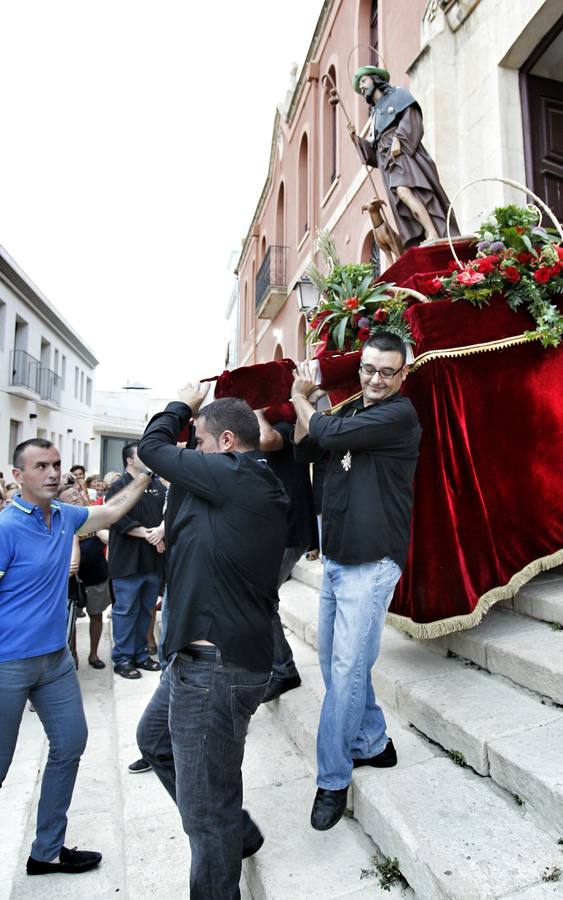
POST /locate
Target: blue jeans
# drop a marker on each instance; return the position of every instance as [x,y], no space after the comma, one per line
[353,605]
[50,682]
[193,733]
[135,597]
[163,630]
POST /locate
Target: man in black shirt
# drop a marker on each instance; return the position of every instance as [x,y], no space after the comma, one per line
[136,564]
[275,440]
[367,501]
[225,544]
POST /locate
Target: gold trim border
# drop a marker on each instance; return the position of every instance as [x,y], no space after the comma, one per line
[442,627]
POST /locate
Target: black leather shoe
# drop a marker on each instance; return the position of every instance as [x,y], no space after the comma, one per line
[127,670]
[384,760]
[278,686]
[71,861]
[328,808]
[149,665]
[253,848]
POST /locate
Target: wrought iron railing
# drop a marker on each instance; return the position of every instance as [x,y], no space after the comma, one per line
[50,385]
[24,370]
[272,272]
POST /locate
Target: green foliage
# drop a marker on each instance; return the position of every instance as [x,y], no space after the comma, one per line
[388,871]
[520,260]
[553,874]
[457,757]
[352,307]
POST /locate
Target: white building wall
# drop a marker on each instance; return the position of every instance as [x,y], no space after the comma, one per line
[466,80]
[66,418]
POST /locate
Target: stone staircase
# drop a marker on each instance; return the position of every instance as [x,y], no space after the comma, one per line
[489,699]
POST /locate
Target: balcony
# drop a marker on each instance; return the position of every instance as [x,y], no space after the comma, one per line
[271,283]
[49,384]
[24,374]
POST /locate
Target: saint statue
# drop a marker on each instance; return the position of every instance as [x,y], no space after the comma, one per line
[418,200]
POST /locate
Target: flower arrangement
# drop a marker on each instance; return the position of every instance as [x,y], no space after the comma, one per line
[351,307]
[515,257]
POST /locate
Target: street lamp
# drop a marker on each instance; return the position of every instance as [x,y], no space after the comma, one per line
[307,294]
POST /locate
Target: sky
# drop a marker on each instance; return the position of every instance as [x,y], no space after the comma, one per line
[135,144]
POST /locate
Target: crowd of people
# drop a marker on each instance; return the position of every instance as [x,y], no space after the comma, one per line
[214,526]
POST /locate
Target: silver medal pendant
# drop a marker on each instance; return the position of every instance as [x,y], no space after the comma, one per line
[346,461]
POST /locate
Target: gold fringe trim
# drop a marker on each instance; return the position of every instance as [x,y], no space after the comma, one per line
[469,349]
[428,630]
[449,353]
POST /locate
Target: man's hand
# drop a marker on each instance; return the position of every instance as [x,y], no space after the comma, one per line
[352,131]
[395,147]
[193,395]
[155,535]
[303,382]
[160,547]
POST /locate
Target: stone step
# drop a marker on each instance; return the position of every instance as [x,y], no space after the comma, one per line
[483,717]
[455,834]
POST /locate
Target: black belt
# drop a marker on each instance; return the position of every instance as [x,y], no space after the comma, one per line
[203,653]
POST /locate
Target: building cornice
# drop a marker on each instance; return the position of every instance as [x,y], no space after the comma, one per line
[18,282]
[293,106]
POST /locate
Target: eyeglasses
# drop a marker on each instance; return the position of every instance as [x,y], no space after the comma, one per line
[386,374]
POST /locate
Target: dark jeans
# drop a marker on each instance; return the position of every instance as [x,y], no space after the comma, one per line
[135,597]
[50,682]
[193,733]
[283,665]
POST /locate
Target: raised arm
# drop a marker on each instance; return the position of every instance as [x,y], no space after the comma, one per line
[270,439]
[116,507]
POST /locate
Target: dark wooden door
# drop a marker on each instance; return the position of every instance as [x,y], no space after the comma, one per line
[544,141]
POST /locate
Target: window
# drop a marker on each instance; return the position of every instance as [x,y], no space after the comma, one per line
[330,135]
[89,391]
[60,444]
[73,451]
[56,363]
[63,372]
[2,324]
[15,436]
[280,217]
[86,456]
[82,387]
[374,33]
[76,376]
[303,188]
[53,438]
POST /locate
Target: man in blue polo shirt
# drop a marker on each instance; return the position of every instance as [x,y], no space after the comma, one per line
[36,534]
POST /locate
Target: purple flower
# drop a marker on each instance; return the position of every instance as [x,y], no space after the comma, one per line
[483,245]
[363,322]
[496,246]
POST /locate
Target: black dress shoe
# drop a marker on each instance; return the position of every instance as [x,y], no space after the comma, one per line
[97,663]
[278,686]
[328,808]
[384,760]
[127,670]
[253,848]
[71,861]
[148,664]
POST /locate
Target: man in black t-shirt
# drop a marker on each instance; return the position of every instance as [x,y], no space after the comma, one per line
[301,533]
[225,539]
[367,502]
[136,564]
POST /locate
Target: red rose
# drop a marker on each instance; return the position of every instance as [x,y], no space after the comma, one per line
[469,277]
[560,252]
[433,286]
[511,273]
[452,266]
[380,314]
[363,334]
[486,264]
[524,258]
[351,303]
[542,275]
